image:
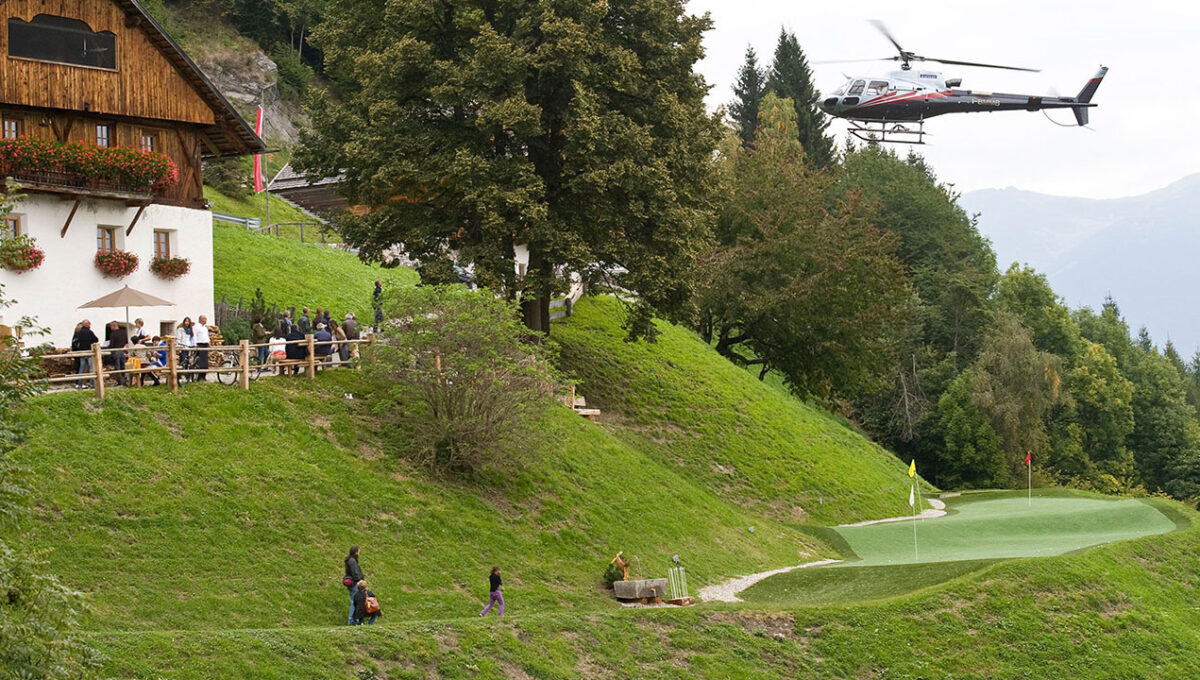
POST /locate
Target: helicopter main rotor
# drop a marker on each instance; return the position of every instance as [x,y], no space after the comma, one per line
[905,57]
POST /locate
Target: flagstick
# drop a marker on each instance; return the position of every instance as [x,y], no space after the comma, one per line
[916,553]
[1030,466]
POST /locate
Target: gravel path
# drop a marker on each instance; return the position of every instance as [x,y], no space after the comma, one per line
[727,591]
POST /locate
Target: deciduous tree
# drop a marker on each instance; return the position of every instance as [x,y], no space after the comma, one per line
[575,128]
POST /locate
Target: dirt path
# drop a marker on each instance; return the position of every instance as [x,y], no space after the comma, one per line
[728,590]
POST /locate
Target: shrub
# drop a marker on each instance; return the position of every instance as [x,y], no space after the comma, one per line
[170,267]
[20,253]
[456,373]
[129,168]
[234,331]
[612,573]
[116,263]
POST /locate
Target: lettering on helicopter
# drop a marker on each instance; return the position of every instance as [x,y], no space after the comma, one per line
[985,102]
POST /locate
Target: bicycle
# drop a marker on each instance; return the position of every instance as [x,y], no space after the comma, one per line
[233,360]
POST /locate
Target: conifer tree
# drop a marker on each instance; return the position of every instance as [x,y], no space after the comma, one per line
[791,79]
[748,92]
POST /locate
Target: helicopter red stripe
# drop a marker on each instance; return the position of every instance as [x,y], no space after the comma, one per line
[907,98]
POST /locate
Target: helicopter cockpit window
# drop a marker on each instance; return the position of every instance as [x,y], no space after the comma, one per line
[857,87]
[877,87]
[841,89]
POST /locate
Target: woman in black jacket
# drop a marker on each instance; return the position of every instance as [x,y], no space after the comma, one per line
[350,580]
[360,605]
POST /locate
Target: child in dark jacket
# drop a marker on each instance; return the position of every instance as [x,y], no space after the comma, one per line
[360,606]
[494,584]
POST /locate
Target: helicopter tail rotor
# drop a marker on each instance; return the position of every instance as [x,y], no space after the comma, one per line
[1085,96]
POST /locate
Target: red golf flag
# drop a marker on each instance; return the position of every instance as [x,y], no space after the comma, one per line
[1028,456]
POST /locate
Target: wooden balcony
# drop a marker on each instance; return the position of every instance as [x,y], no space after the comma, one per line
[80,187]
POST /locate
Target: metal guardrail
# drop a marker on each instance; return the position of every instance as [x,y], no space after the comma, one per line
[250,223]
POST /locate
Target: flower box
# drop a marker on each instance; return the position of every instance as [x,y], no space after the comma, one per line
[117,168]
[116,263]
[170,267]
[20,254]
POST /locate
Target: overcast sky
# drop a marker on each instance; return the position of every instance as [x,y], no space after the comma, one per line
[1143,139]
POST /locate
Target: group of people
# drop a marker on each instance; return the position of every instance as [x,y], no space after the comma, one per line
[364,606]
[330,337]
[138,343]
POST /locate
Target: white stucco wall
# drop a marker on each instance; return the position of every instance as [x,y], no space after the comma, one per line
[68,277]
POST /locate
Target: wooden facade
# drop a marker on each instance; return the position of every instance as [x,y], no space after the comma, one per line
[153,91]
[144,84]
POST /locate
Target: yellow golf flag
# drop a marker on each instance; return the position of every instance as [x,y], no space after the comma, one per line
[912,468]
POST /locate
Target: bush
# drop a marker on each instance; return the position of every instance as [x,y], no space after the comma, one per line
[612,573]
[234,331]
[294,76]
[456,373]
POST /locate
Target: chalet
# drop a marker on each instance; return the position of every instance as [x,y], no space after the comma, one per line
[105,122]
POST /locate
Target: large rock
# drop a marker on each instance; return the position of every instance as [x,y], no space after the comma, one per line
[637,590]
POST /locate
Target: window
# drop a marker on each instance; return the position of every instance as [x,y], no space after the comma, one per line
[12,127]
[877,87]
[857,87]
[166,328]
[61,40]
[104,134]
[106,239]
[162,243]
[149,141]
[12,226]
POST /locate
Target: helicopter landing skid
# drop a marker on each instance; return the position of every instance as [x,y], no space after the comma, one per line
[888,132]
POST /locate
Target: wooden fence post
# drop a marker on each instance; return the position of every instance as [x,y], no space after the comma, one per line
[244,378]
[312,359]
[98,368]
[172,366]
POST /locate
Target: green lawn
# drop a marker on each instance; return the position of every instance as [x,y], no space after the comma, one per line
[294,273]
[979,530]
[992,526]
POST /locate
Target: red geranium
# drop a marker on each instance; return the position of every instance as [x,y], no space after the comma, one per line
[133,169]
[20,254]
[170,267]
[116,263]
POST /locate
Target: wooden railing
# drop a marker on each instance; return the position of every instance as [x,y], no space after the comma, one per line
[172,370]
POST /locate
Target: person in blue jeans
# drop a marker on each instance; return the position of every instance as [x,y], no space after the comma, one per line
[362,612]
[353,576]
[495,597]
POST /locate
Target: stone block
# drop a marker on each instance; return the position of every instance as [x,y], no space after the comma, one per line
[640,589]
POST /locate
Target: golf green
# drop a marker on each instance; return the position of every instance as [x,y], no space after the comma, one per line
[999,525]
[979,529]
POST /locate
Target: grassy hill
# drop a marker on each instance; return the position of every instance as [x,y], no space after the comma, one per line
[293,273]
[686,406]
[209,530]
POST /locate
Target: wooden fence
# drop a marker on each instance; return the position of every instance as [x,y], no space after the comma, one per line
[172,370]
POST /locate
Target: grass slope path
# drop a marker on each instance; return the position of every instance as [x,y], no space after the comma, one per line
[223,509]
[294,273]
[721,427]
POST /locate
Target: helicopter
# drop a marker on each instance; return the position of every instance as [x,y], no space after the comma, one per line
[893,107]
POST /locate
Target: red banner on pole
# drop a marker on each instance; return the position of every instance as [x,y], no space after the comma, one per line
[1028,457]
[258,176]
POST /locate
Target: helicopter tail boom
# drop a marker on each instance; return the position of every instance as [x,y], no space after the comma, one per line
[1085,96]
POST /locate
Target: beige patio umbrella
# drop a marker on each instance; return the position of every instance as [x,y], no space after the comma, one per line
[126,297]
